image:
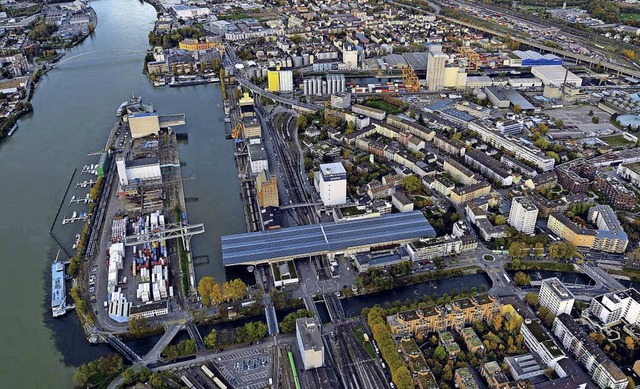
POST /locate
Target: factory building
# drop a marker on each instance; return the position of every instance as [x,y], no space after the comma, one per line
[555,296]
[331,182]
[143,124]
[350,57]
[556,75]
[267,189]
[436,61]
[258,158]
[523,215]
[280,79]
[331,84]
[144,169]
[309,337]
[455,78]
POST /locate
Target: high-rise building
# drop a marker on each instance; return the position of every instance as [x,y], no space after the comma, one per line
[611,308]
[267,190]
[436,61]
[523,215]
[310,342]
[331,182]
[555,296]
[350,56]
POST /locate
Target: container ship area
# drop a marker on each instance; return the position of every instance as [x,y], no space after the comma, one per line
[138,235]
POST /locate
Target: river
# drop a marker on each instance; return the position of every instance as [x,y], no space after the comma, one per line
[74,109]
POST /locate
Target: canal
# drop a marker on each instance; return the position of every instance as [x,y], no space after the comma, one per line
[74,109]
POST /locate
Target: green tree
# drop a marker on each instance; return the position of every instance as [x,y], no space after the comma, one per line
[301,121]
[546,316]
[138,325]
[531,299]
[517,109]
[521,279]
[403,379]
[553,155]
[156,381]
[595,120]
[518,250]
[411,183]
[500,220]
[440,353]
[211,340]
[288,323]
[208,289]
[254,331]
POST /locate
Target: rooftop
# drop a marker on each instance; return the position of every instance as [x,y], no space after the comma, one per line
[317,239]
[309,330]
[557,288]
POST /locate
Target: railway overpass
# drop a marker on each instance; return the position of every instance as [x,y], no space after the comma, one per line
[297,105]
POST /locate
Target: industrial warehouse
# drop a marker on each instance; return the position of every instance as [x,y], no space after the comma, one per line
[348,237]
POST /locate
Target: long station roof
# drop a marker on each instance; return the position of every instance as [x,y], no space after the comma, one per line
[317,239]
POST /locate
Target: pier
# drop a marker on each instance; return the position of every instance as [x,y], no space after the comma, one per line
[85,183]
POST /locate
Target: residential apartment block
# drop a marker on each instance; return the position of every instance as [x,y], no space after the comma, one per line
[612,308]
[467,193]
[438,318]
[523,215]
[439,247]
[489,167]
[555,296]
[602,370]
[575,176]
[459,172]
[615,192]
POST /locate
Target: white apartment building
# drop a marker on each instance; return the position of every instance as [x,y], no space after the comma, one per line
[611,308]
[523,215]
[555,296]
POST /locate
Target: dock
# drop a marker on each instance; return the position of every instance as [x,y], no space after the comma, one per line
[85,183]
[81,217]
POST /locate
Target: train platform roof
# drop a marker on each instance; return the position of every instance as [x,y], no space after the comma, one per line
[316,239]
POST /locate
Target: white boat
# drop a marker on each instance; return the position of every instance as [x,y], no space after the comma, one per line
[74,214]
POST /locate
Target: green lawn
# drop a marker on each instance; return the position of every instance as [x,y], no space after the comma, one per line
[383,105]
[616,141]
[358,331]
[626,16]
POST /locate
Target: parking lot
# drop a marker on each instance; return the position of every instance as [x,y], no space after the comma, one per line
[246,369]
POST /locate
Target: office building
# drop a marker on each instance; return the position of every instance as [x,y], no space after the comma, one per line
[523,215]
[430,248]
[612,308]
[586,352]
[267,189]
[310,342]
[331,182]
[436,61]
[525,366]
[555,296]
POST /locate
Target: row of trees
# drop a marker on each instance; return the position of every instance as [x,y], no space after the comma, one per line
[399,373]
[558,250]
[212,293]
[249,333]
[169,40]
[182,349]
[142,375]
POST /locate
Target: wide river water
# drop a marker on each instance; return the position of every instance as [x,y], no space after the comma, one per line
[74,109]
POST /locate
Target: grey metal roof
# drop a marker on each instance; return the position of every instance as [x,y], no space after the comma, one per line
[316,239]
